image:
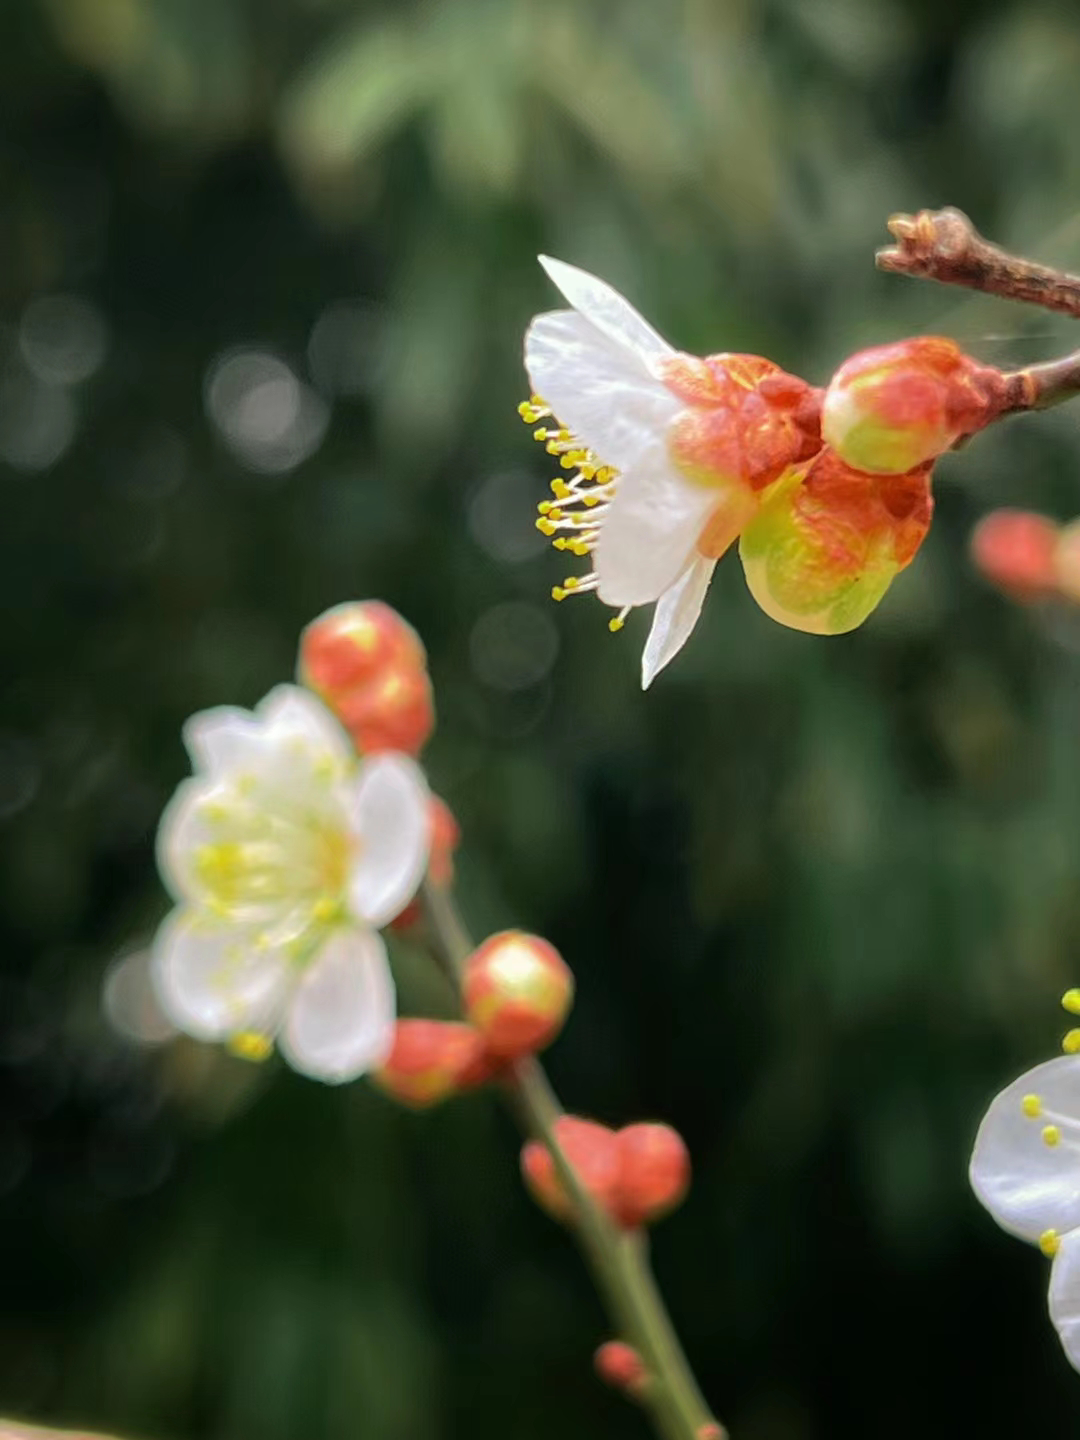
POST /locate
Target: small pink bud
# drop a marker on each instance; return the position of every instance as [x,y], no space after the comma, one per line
[593,1154]
[429,1061]
[654,1172]
[517,991]
[369,666]
[894,407]
[1017,551]
[620,1366]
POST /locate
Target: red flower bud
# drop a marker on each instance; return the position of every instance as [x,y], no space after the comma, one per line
[352,643]
[1017,550]
[394,711]
[654,1172]
[894,407]
[620,1366]
[430,1060]
[517,991]
[370,668]
[593,1154]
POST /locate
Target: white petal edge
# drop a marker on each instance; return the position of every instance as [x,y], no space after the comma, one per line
[1028,1186]
[181,830]
[390,819]
[222,739]
[604,307]
[291,713]
[650,534]
[212,980]
[599,390]
[1065,1295]
[676,614]
[340,1021]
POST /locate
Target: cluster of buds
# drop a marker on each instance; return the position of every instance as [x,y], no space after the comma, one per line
[1028,556]
[516,992]
[673,458]
[637,1175]
[369,667]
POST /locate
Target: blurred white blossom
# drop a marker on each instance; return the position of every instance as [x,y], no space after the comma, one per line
[284,853]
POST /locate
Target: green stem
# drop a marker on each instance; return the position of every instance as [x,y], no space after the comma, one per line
[617,1258]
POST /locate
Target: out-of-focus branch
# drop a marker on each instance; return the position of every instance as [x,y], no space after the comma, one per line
[944,245]
[618,1259]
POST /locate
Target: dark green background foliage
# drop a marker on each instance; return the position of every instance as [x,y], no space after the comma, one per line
[821,895]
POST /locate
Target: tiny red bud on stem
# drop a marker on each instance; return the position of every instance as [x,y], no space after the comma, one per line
[654,1172]
[1018,551]
[430,1060]
[620,1366]
[517,991]
[592,1153]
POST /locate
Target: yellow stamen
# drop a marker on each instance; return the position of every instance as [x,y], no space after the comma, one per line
[250,1045]
[1051,1135]
[1049,1243]
[1070,1001]
[1071,1043]
[1032,1106]
[616,624]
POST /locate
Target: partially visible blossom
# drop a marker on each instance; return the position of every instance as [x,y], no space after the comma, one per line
[829,540]
[1017,550]
[654,1172]
[428,1060]
[894,407]
[370,667]
[592,1152]
[284,855]
[517,990]
[666,454]
[1026,1171]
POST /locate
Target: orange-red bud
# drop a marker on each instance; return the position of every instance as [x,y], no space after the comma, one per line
[430,1060]
[370,668]
[654,1172]
[517,991]
[592,1153]
[1017,551]
[894,407]
[620,1366]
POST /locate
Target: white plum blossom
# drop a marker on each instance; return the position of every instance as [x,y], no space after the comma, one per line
[1026,1171]
[285,853]
[598,367]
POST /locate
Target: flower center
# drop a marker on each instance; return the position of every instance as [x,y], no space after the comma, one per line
[573,520]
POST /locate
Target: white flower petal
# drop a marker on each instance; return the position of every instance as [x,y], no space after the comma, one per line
[598,388]
[1028,1186]
[213,980]
[181,831]
[650,534]
[676,615]
[1065,1295]
[290,713]
[601,304]
[340,1021]
[390,820]
[222,739]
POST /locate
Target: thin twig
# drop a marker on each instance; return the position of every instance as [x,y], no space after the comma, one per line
[618,1260]
[944,245]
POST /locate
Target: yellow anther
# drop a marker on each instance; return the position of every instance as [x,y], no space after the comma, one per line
[558,593]
[545,526]
[325,909]
[1071,1042]
[560,489]
[541,434]
[561,543]
[616,624]
[572,459]
[1032,1106]
[1051,1135]
[1050,1243]
[554,513]
[605,474]
[1070,1001]
[571,582]
[250,1045]
[577,547]
[590,498]
[588,472]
